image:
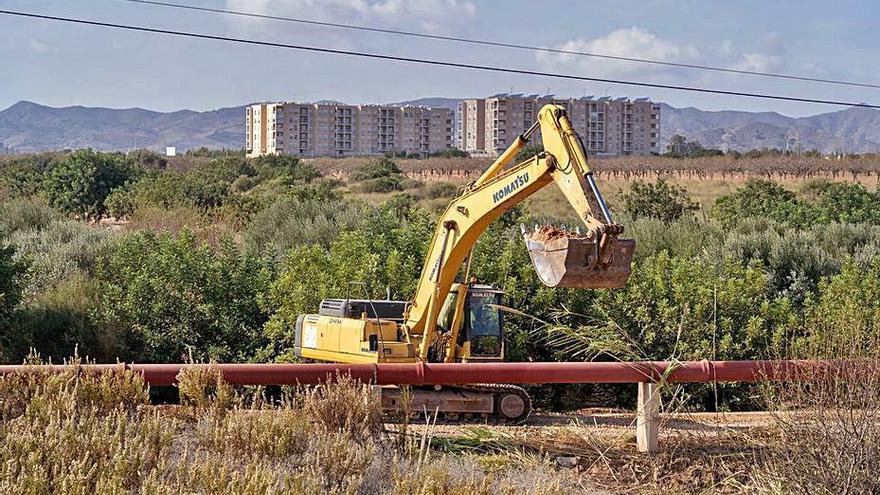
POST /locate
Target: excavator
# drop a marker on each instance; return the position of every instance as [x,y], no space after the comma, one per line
[452,317]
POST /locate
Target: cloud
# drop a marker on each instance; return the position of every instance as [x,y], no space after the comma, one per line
[758,62]
[726,48]
[632,42]
[429,15]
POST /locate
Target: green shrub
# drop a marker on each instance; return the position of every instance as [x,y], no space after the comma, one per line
[58,323]
[147,160]
[12,273]
[660,200]
[385,252]
[24,214]
[292,221]
[440,190]
[177,297]
[847,203]
[843,318]
[290,168]
[58,251]
[380,175]
[80,184]
[23,177]
[764,199]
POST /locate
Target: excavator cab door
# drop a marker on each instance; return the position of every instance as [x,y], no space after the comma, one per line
[483,324]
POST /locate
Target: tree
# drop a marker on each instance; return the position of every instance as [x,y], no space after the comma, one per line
[380,175]
[80,184]
[660,200]
[680,147]
[12,283]
[176,297]
[763,199]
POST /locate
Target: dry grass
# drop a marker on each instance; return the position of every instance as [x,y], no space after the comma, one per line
[80,433]
[826,433]
[95,434]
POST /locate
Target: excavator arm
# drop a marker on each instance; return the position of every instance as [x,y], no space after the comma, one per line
[595,259]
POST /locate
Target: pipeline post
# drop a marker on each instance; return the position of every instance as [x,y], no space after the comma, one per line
[648,417]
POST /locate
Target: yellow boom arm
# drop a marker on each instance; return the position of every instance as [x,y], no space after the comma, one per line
[496,191]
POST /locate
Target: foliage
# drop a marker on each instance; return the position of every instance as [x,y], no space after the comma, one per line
[839,202]
[58,251]
[147,160]
[380,175]
[528,152]
[439,190]
[59,322]
[680,147]
[843,317]
[301,219]
[217,184]
[659,200]
[763,199]
[12,274]
[386,251]
[23,177]
[176,297]
[205,152]
[24,214]
[81,182]
[11,281]
[451,153]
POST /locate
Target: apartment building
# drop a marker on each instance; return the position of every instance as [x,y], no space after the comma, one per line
[335,129]
[610,127]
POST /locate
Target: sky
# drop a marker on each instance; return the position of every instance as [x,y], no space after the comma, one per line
[61,64]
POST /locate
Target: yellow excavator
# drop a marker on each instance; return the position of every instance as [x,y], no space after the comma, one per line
[450,320]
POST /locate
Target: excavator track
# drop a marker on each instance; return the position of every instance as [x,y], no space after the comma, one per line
[472,403]
[512,403]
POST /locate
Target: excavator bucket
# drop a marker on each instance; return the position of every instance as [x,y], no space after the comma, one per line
[568,259]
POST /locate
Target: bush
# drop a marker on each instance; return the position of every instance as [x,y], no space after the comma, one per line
[380,175]
[23,177]
[847,203]
[660,200]
[60,250]
[80,184]
[58,323]
[11,281]
[147,160]
[178,298]
[450,153]
[440,190]
[290,168]
[292,221]
[385,251]
[24,214]
[763,199]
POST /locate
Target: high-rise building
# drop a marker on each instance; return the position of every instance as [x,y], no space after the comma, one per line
[607,126]
[335,129]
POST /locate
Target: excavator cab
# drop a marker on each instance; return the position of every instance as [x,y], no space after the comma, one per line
[480,332]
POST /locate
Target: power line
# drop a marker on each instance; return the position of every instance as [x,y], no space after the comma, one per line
[505,45]
[440,63]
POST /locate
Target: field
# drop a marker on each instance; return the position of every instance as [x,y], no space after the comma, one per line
[140,258]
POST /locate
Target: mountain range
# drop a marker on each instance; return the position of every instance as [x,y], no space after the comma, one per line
[28,126]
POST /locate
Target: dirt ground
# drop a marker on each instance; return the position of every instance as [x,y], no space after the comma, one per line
[699,452]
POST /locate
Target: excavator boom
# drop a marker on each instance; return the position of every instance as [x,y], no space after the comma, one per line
[595,259]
